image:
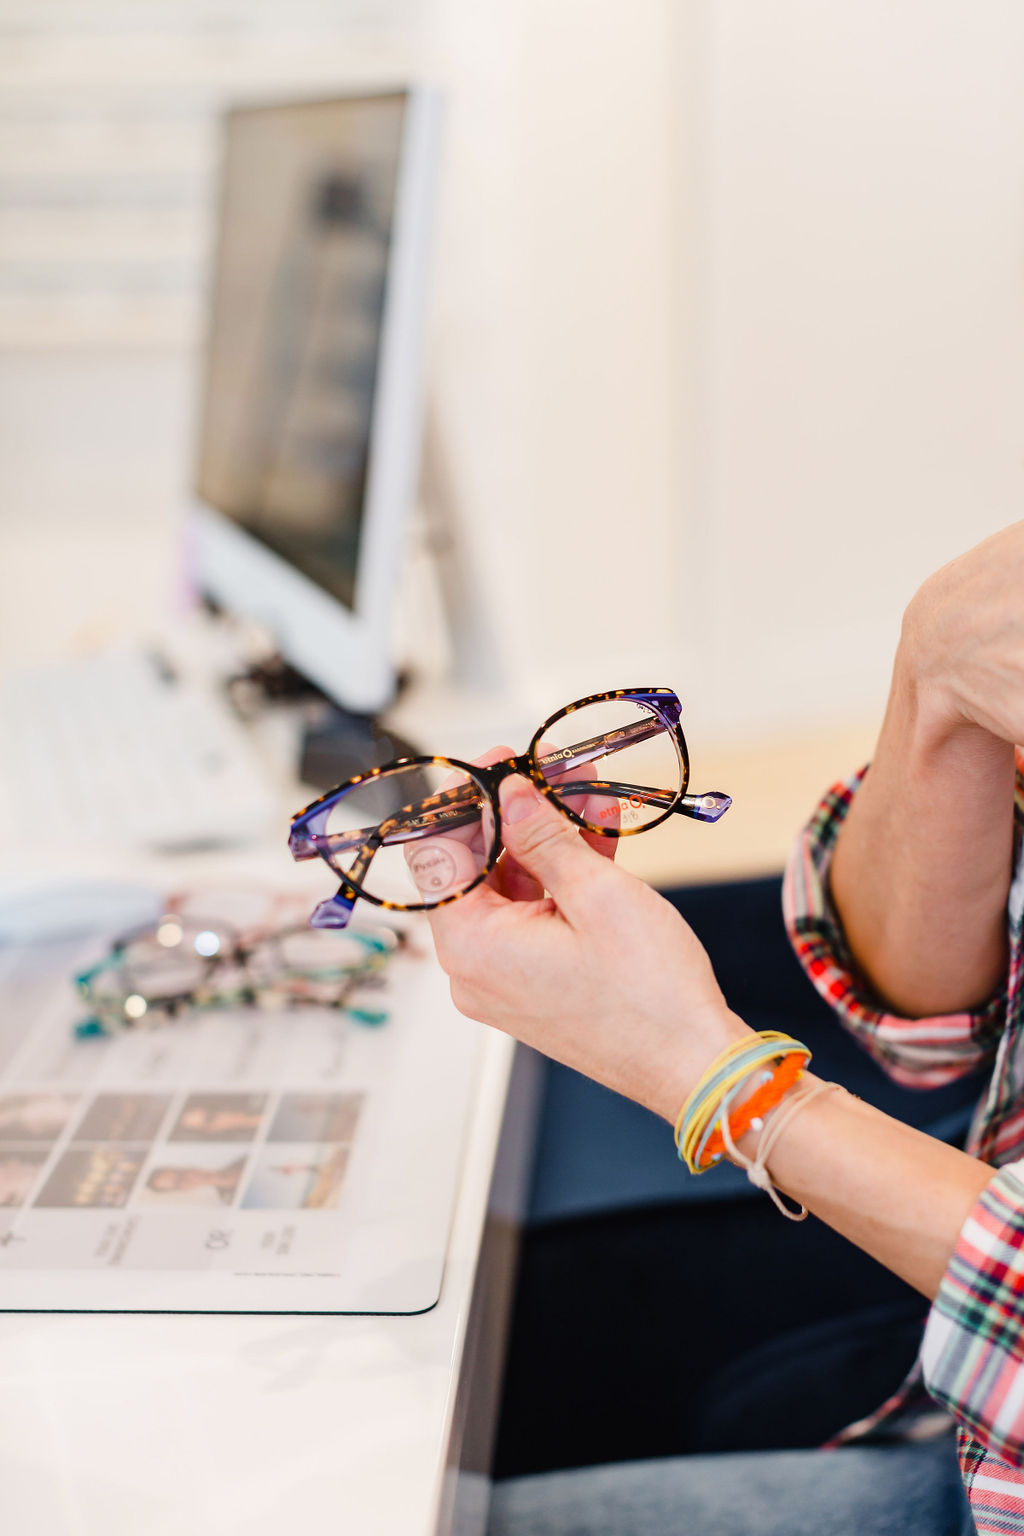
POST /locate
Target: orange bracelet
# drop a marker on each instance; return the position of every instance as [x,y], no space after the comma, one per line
[784,1075]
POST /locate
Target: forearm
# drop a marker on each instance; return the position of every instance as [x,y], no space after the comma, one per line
[900,1195]
[923,861]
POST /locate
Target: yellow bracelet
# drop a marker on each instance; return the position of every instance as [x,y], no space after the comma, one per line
[696,1120]
[737,1048]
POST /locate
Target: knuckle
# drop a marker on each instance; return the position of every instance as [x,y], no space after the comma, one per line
[492,755]
[548,834]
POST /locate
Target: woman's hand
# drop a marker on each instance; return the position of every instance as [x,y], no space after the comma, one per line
[602,974]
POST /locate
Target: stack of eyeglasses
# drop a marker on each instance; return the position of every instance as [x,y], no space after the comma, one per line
[422,831]
[179,963]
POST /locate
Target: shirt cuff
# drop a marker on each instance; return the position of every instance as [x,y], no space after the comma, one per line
[918,1053]
[973,1350]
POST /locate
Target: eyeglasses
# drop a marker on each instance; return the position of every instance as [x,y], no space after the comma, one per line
[157,971]
[422,831]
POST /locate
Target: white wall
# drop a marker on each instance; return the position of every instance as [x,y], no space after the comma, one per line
[727,332]
[557,363]
[859,314]
[740,360]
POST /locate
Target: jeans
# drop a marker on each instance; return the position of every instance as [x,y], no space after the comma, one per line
[898,1490]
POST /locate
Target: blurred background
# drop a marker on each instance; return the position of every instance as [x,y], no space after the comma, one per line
[726,324]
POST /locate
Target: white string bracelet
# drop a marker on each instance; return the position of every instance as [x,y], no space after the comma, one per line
[756,1167]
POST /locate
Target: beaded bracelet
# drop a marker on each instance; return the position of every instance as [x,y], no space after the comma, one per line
[698,1129]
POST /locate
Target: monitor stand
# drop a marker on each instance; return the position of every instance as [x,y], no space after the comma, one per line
[334,743]
[338,745]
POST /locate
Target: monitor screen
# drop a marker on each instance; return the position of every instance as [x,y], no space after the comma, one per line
[308,201]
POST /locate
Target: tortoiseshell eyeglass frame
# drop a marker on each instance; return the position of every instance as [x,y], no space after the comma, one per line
[308,837]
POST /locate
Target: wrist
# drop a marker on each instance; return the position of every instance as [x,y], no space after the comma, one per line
[738,1087]
[749,1143]
[679,1071]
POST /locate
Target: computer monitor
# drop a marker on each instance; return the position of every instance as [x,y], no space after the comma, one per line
[310,424]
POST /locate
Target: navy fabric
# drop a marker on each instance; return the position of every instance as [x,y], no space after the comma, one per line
[632,1330]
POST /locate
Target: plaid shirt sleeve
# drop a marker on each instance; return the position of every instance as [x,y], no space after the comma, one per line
[919,1053]
[973,1351]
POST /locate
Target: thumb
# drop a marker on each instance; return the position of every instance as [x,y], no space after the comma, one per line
[546,844]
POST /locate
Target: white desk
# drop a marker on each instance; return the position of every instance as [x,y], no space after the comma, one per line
[136,1425]
[133,1425]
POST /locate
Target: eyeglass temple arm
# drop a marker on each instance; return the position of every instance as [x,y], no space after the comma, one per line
[710,806]
[598,746]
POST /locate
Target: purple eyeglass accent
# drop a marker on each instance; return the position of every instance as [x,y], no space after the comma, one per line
[335,912]
[667,707]
[709,806]
[302,844]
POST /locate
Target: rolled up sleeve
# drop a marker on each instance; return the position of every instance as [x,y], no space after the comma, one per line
[918,1053]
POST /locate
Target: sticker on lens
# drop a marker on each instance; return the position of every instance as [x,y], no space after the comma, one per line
[433,869]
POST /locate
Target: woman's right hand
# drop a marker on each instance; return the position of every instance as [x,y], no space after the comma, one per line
[602,973]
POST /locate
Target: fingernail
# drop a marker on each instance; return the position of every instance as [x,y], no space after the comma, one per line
[518,800]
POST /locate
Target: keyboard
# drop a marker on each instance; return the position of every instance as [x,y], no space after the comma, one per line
[116,749]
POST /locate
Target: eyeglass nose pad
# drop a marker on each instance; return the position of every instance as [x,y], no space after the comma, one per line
[335,912]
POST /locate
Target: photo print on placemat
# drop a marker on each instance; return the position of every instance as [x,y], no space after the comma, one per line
[123,1117]
[319,1117]
[194,1175]
[289,1176]
[87,1177]
[35,1116]
[219,1117]
[19,1170]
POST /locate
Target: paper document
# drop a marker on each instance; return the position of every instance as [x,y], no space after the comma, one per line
[234,1159]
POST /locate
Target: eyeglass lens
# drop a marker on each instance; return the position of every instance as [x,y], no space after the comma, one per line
[412,836]
[315,953]
[613,763]
[168,961]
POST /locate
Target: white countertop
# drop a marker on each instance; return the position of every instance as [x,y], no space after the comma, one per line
[134,1425]
[153,1425]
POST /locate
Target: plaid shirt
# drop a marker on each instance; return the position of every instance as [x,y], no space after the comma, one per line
[972,1357]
